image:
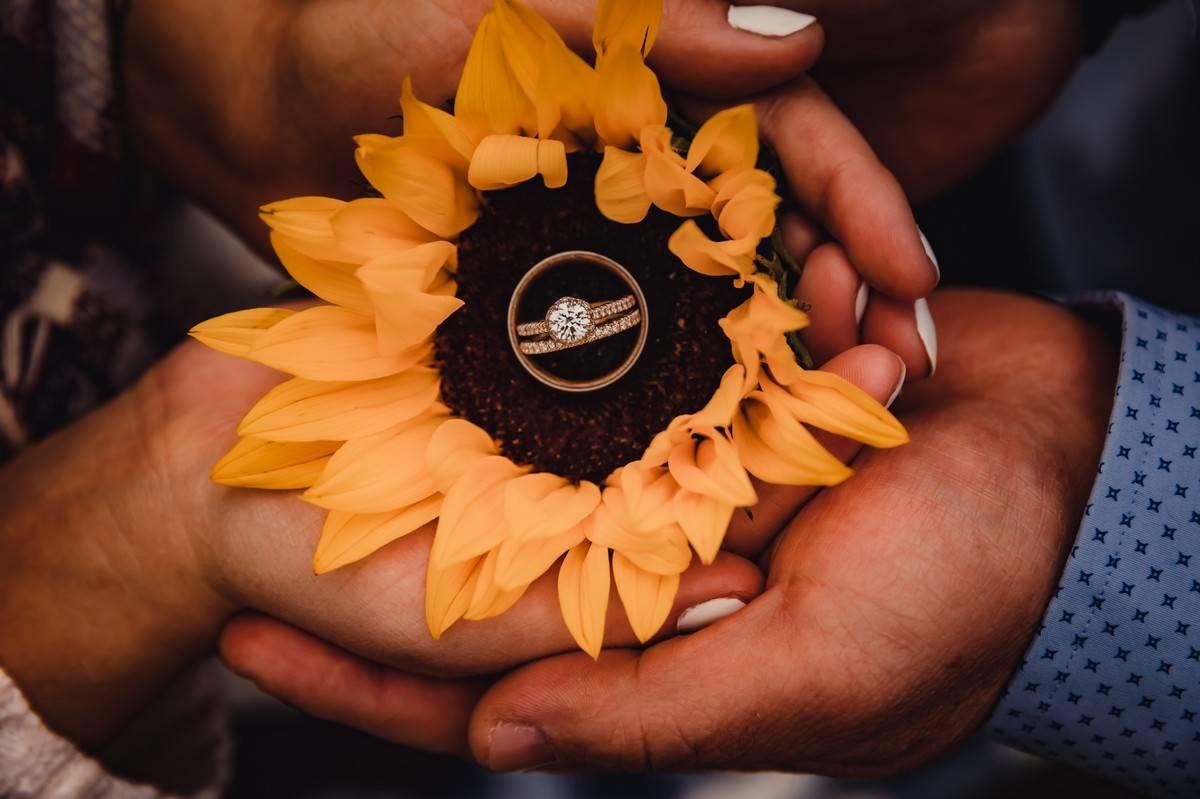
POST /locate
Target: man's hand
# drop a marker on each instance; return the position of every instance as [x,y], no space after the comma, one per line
[897,604]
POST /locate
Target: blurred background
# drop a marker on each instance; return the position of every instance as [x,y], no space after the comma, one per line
[1109,178]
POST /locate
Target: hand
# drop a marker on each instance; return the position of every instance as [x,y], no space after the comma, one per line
[938,87]
[898,604]
[247,105]
[122,561]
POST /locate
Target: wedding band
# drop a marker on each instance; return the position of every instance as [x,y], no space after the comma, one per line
[597,310]
[589,321]
[611,328]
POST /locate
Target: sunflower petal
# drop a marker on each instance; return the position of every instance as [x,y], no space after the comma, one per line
[455,447]
[628,98]
[350,537]
[401,291]
[448,592]
[331,343]
[704,520]
[426,189]
[379,473]
[255,463]
[371,227]
[540,505]
[441,132]
[662,551]
[521,562]
[489,598]
[777,449]
[647,597]
[305,223]
[332,281]
[836,405]
[490,98]
[306,410]
[583,586]
[626,22]
[504,160]
[720,410]
[713,258]
[674,189]
[236,333]
[727,141]
[472,520]
[711,467]
[621,187]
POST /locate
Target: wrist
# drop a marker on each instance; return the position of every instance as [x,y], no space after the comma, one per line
[102,602]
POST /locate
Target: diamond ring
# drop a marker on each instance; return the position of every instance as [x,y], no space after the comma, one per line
[571,326]
[567,317]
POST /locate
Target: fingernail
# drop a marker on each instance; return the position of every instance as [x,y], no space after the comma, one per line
[860,302]
[700,616]
[929,252]
[899,384]
[517,747]
[927,331]
[769,20]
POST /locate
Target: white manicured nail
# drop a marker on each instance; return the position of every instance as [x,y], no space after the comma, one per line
[927,331]
[929,251]
[860,301]
[769,20]
[700,616]
[899,385]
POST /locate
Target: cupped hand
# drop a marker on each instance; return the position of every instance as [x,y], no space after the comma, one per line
[897,604]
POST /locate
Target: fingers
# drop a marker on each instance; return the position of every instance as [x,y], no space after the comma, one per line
[836,178]
[670,707]
[873,369]
[833,289]
[906,328]
[699,50]
[330,683]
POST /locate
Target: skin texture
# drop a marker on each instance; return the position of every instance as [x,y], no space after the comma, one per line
[897,605]
[123,561]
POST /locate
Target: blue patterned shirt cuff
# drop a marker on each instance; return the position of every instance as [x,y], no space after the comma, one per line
[1111,682]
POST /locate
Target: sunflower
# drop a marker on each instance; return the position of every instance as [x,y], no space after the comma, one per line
[376,423]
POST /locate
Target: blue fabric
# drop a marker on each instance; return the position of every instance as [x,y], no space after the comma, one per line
[1111,682]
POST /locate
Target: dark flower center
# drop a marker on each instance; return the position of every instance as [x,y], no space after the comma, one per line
[578,436]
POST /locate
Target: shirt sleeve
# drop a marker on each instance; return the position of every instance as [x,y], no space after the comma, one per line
[1111,682]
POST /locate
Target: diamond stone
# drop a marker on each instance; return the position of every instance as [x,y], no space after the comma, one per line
[569,320]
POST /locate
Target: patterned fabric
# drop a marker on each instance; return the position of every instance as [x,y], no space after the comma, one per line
[1111,683]
[75,324]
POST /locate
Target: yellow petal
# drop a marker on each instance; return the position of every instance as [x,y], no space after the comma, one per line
[583,586]
[349,537]
[727,141]
[721,408]
[254,463]
[647,597]
[489,598]
[521,562]
[628,98]
[661,551]
[678,429]
[776,449]
[838,406]
[620,186]
[728,185]
[236,333]
[448,592]
[750,213]
[305,223]
[644,495]
[713,258]
[504,160]
[306,410]
[440,132]
[711,467]
[541,505]
[472,520]
[330,343]
[400,288]
[674,189]
[490,98]
[372,227]
[704,521]
[455,447]
[426,189]
[626,22]
[378,473]
[332,281]
[758,329]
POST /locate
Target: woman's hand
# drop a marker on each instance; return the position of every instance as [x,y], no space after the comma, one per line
[122,560]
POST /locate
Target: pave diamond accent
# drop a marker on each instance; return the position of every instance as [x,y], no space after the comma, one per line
[618,325]
[569,320]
